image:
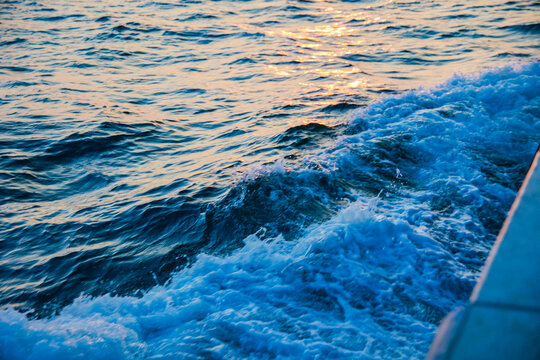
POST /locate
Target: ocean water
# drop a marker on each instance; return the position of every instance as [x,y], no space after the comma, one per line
[254,179]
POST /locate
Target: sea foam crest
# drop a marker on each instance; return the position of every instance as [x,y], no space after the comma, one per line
[372,282]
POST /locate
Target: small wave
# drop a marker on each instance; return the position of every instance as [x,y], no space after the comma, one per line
[103,19]
[341,106]
[130,31]
[456,17]
[16,68]
[512,54]
[58,17]
[12,42]
[199,16]
[306,135]
[532,29]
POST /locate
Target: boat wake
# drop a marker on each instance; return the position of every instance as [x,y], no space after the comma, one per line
[414,191]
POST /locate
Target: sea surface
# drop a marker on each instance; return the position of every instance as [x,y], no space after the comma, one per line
[254,179]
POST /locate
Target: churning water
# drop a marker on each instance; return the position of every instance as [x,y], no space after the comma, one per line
[254,179]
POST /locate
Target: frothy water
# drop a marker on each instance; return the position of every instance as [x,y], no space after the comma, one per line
[232,179]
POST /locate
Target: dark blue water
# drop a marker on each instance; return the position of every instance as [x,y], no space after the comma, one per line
[254,179]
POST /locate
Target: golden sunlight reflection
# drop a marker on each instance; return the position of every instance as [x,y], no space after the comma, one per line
[318,52]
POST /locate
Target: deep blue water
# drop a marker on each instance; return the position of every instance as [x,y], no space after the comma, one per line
[254,179]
